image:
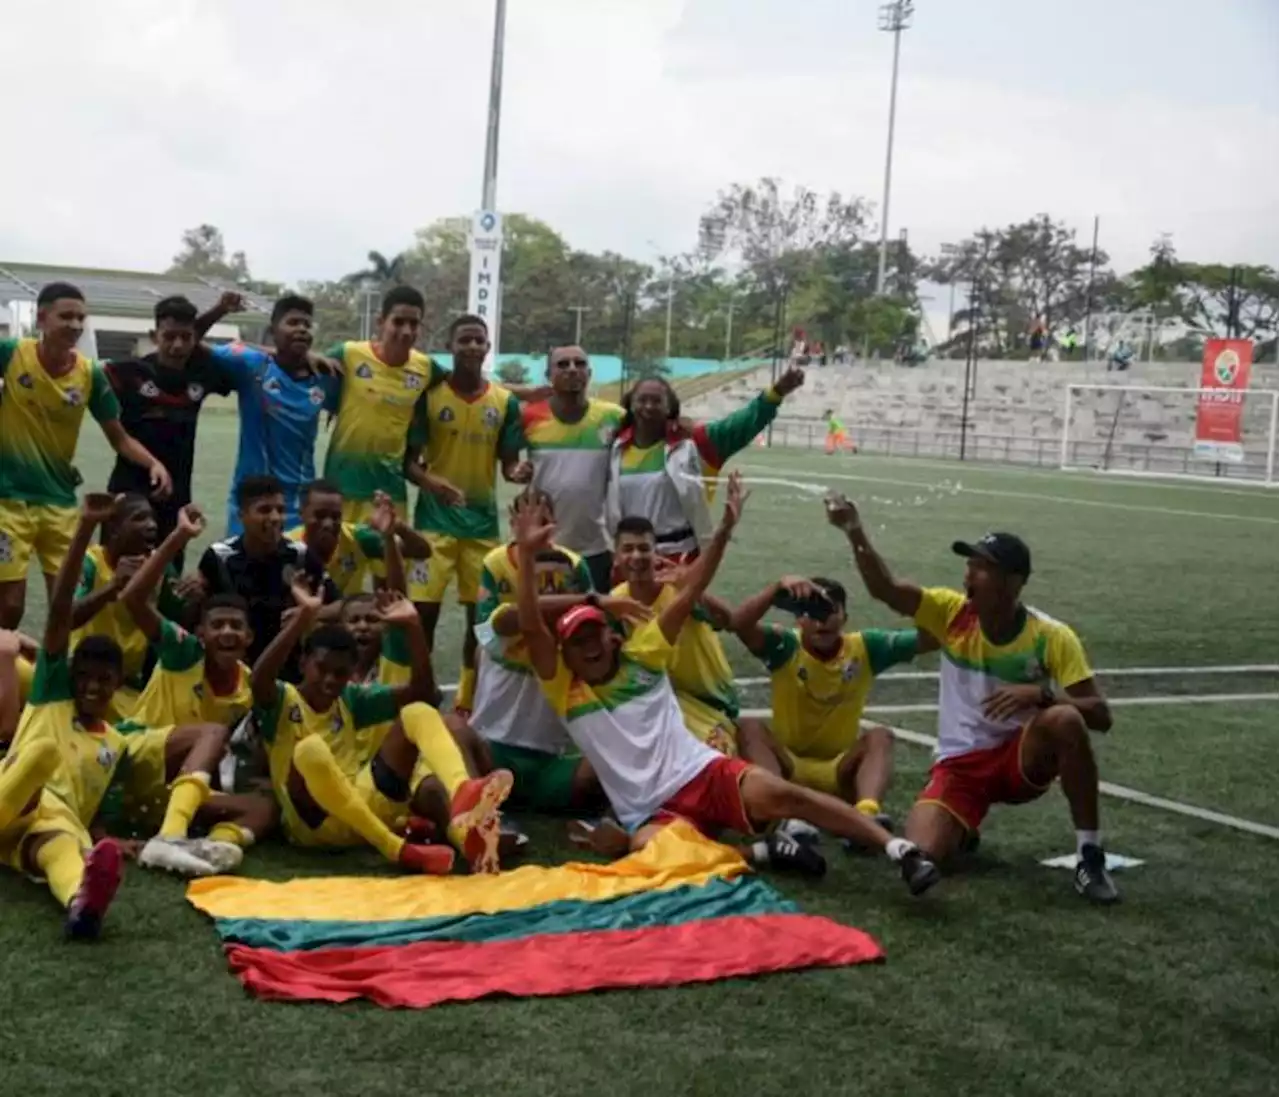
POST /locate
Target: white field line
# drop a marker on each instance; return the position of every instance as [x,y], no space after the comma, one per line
[1186,699]
[808,488]
[1136,796]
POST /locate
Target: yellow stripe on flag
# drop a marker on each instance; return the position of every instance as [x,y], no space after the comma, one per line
[678,857]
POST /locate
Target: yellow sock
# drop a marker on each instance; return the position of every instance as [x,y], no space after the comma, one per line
[466,695]
[61,860]
[233,833]
[28,771]
[186,795]
[334,793]
[870,808]
[425,729]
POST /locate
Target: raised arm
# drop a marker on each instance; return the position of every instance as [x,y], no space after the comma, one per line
[746,618]
[266,671]
[398,612]
[699,577]
[734,432]
[95,508]
[534,533]
[89,602]
[898,594]
[138,593]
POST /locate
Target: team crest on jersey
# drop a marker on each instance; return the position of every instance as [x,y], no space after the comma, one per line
[419,572]
[271,385]
[348,563]
[198,690]
[490,417]
[803,674]
[149,389]
[606,433]
[106,757]
[645,678]
[364,371]
[72,398]
[335,721]
[316,396]
[6,549]
[412,381]
[295,714]
[446,415]
[26,381]
[504,587]
[195,392]
[850,671]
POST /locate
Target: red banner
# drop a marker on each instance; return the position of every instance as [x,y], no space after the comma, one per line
[1220,411]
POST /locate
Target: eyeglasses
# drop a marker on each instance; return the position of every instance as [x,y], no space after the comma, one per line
[572,362]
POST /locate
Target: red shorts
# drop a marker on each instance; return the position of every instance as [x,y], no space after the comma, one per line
[712,801]
[968,784]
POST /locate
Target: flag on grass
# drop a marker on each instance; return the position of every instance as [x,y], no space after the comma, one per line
[682,910]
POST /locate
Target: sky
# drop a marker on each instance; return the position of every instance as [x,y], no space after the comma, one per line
[311,132]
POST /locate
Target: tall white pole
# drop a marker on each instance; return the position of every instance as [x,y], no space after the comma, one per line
[728,333]
[489,199]
[1271,438]
[895,17]
[671,290]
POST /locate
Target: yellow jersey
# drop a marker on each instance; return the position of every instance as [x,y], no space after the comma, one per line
[40,418]
[178,691]
[818,703]
[1043,651]
[358,555]
[374,404]
[699,668]
[113,620]
[464,438]
[567,574]
[93,756]
[290,719]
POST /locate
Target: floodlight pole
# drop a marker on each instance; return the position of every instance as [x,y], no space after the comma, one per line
[577,328]
[894,17]
[489,200]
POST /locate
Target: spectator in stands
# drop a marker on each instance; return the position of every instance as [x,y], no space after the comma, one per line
[1120,357]
[663,469]
[47,385]
[160,397]
[568,436]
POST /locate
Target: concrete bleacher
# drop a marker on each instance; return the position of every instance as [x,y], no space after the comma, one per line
[1015,412]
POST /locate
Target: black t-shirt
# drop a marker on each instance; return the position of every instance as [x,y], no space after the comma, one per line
[264,583]
[160,407]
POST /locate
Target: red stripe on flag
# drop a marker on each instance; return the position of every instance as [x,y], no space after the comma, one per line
[430,972]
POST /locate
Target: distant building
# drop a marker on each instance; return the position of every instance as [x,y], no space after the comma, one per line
[121,305]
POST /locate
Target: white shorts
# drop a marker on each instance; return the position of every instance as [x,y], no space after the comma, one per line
[511,708]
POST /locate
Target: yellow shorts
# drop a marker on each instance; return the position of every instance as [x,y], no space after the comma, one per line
[710,725]
[51,816]
[145,787]
[819,774]
[429,579]
[33,527]
[333,833]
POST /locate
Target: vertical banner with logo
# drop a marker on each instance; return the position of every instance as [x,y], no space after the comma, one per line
[1220,412]
[484,281]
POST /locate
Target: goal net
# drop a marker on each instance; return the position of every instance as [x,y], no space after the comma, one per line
[1194,433]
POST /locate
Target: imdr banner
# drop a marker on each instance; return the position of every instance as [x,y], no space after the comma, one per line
[1219,413]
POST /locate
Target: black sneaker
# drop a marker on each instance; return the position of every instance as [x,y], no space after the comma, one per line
[919,872]
[1092,880]
[512,840]
[801,831]
[790,854]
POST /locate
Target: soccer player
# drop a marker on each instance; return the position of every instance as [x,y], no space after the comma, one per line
[160,396]
[338,788]
[45,387]
[463,428]
[351,553]
[199,678]
[837,439]
[517,729]
[617,702]
[820,675]
[665,471]
[568,436]
[260,564]
[1016,698]
[281,396]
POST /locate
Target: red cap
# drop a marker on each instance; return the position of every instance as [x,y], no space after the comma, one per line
[573,619]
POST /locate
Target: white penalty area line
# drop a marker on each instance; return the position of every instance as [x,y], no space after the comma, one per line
[1115,672]
[918,485]
[1190,699]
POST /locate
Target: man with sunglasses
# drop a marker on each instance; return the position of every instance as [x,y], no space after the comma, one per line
[568,436]
[820,676]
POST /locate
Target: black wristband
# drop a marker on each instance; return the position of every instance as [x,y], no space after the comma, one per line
[1047,697]
[592,599]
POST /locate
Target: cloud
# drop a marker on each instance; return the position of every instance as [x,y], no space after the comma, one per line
[312,132]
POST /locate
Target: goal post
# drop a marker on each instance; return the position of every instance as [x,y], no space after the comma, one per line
[1202,434]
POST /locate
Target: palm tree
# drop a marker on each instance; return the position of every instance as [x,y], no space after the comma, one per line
[382,270]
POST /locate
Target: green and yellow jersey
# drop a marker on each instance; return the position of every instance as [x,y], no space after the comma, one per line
[498,577]
[40,419]
[375,408]
[178,692]
[357,556]
[818,703]
[463,439]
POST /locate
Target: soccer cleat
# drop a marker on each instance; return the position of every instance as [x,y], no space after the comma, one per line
[103,867]
[789,854]
[1092,879]
[419,831]
[475,827]
[918,871]
[223,856]
[178,855]
[429,860]
[511,839]
[801,831]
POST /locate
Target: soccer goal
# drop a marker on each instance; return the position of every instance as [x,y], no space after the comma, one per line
[1183,433]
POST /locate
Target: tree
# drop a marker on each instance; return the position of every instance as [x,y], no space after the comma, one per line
[512,372]
[1208,292]
[381,270]
[204,252]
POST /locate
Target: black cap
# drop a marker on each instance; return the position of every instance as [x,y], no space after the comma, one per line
[1007,551]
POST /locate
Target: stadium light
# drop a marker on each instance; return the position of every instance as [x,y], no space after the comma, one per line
[894,17]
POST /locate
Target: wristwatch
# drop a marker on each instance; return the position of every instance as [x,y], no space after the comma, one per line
[592,600]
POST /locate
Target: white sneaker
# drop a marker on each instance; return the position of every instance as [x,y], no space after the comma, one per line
[174,855]
[223,856]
